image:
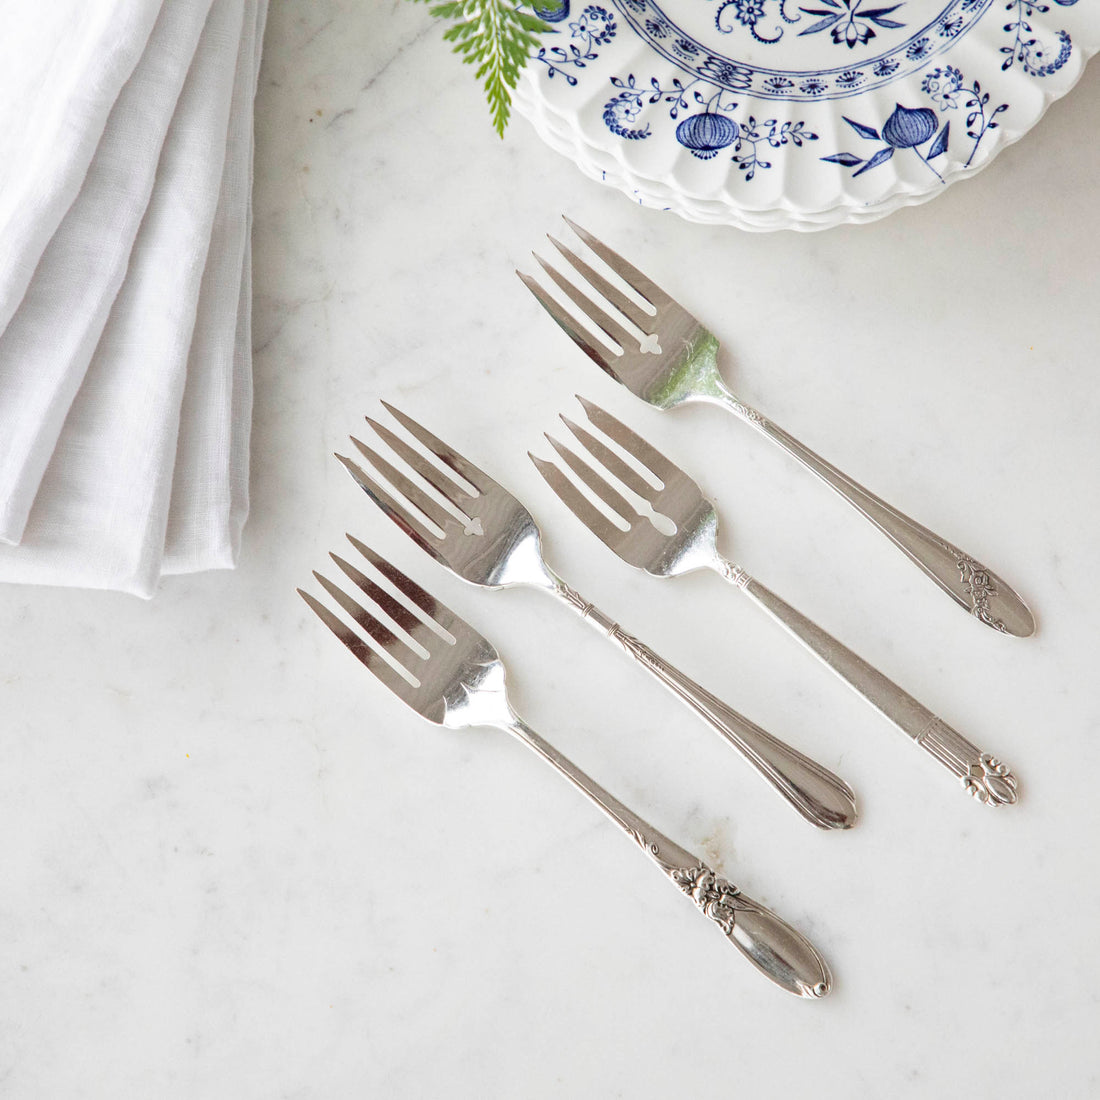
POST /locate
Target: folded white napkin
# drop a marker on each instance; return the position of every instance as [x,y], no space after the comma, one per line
[126,401]
[48,344]
[62,65]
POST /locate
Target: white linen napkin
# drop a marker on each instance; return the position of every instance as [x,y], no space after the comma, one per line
[210,484]
[45,350]
[100,515]
[62,65]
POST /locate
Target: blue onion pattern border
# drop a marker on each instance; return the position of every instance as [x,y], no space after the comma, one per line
[651,24]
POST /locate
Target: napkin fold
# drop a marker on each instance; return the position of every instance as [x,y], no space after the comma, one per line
[125,371]
[47,346]
[209,502]
[63,64]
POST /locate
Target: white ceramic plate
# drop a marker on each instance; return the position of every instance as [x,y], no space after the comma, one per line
[799,114]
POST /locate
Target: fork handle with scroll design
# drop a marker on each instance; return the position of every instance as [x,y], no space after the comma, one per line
[981,774]
[767,941]
[816,793]
[966,581]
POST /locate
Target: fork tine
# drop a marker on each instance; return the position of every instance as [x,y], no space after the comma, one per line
[369,657]
[600,318]
[431,607]
[597,354]
[600,486]
[480,480]
[608,458]
[407,620]
[578,504]
[397,647]
[627,272]
[400,515]
[648,455]
[616,297]
[412,492]
[446,486]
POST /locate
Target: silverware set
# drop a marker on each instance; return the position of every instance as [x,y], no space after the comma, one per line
[470,524]
[693,545]
[490,539]
[684,367]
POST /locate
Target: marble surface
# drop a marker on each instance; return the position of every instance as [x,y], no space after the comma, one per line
[234,867]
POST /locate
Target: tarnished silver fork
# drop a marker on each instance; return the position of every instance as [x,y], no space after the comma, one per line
[671,493]
[677,361]
[438,665]
[487,537]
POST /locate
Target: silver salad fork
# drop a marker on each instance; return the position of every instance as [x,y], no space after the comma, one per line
[693,545]
[444,670]
[678,361]
[488,538]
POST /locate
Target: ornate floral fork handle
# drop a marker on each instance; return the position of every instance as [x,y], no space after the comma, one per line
[969,583]
[768,942]
[982,775]
[821,797]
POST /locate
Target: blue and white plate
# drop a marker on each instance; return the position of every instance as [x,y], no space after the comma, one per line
[798,114]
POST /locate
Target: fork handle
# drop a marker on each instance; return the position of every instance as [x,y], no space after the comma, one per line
[981,774]
[969,583]
[821,797]
[769,943]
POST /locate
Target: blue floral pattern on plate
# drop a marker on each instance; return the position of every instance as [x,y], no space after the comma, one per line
[710,128]
[859,105]
[849,23]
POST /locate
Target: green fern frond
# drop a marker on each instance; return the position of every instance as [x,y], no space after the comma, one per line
[496,36]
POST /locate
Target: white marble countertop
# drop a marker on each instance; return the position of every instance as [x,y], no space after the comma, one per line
[234,867]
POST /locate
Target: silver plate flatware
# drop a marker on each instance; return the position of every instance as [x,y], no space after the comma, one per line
[671,493]
[449,674]
[487,537]
[675,359]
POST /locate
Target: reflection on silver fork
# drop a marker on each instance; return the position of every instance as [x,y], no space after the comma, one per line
[671,493]
[444,670]
[479,531]
[683,366]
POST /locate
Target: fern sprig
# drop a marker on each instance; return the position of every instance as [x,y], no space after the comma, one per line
[496,36]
